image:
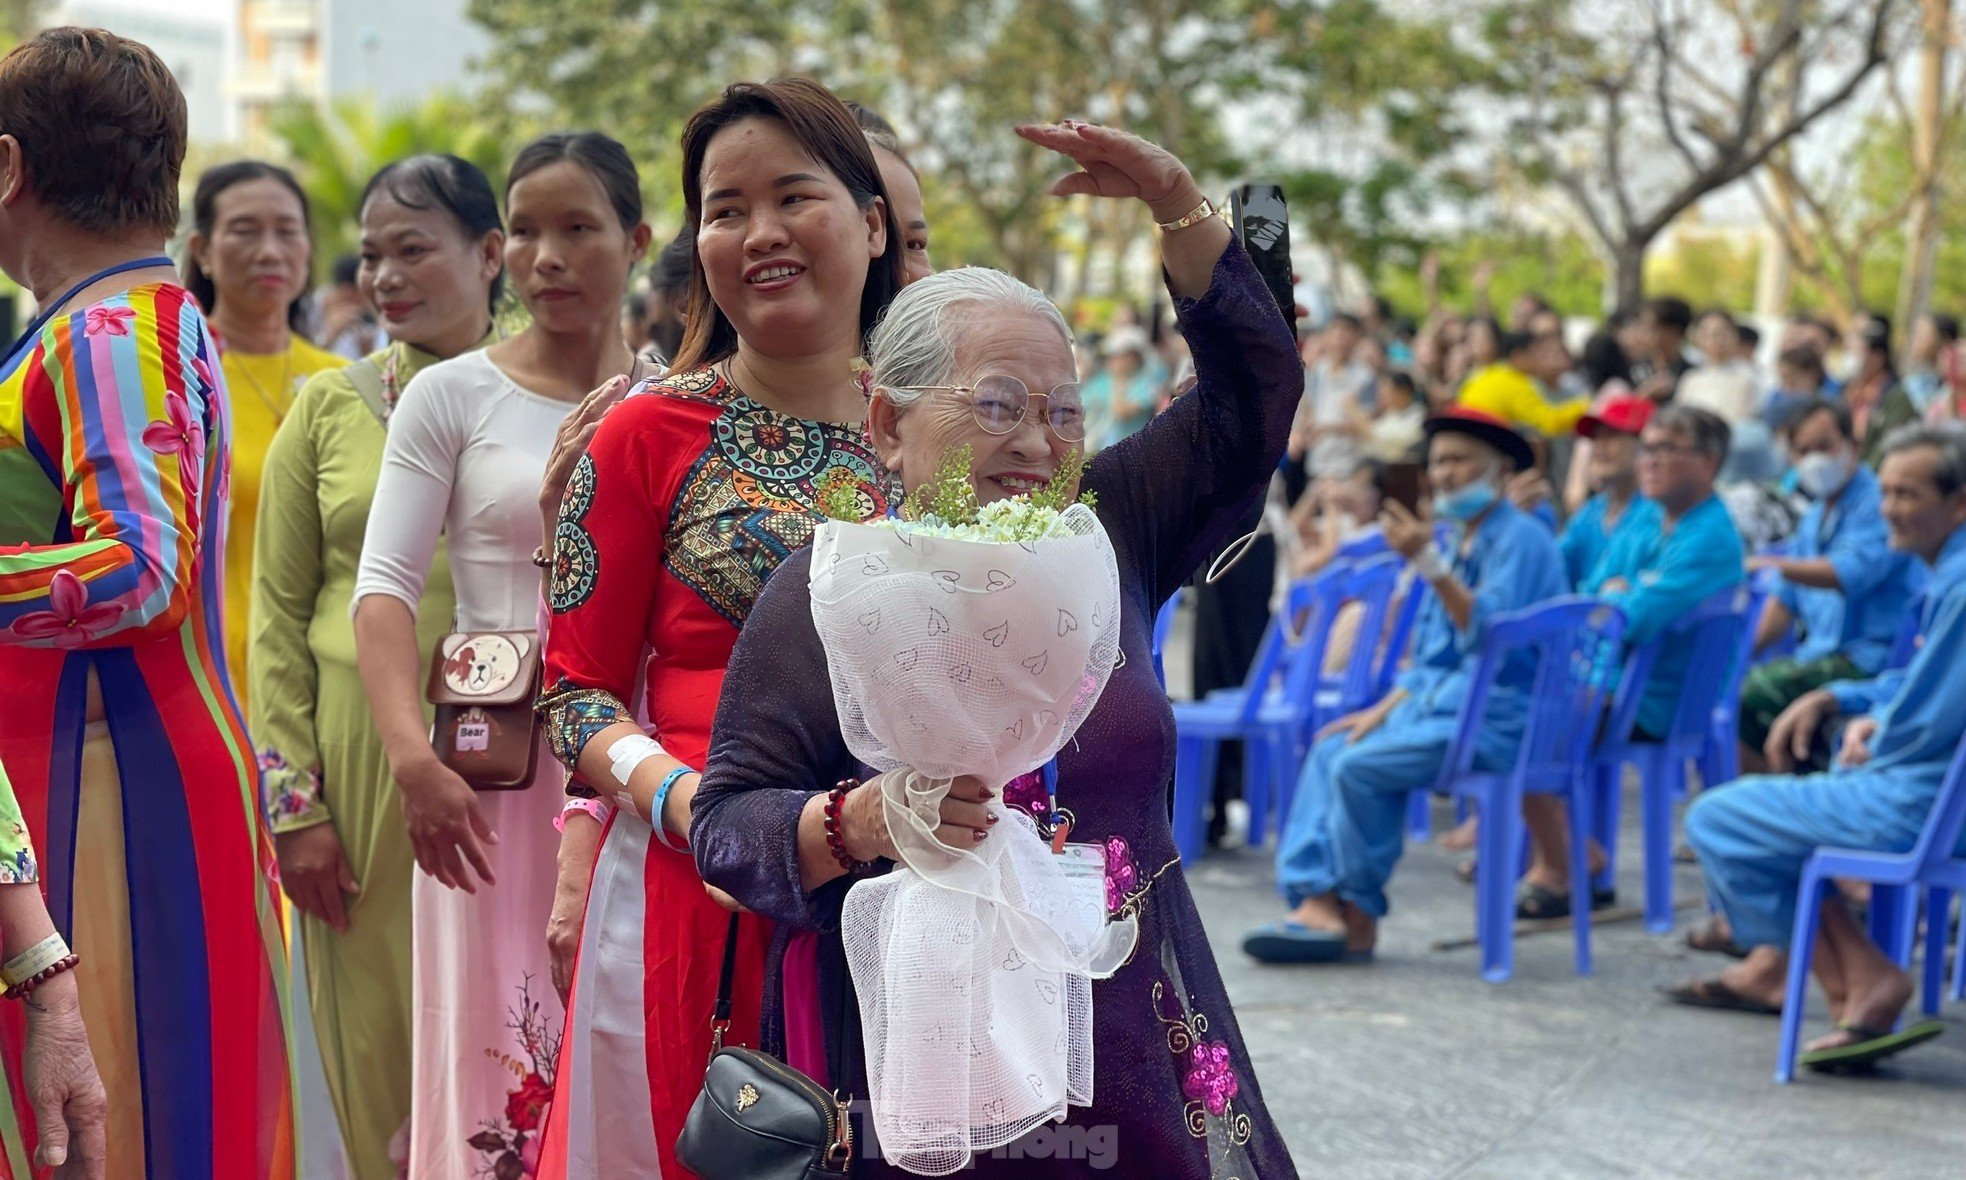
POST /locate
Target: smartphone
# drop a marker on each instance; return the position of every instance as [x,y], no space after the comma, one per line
[1404,484]
[1261,218]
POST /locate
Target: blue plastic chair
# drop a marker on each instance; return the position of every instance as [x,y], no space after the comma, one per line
[1231,715]
[1958,960]
[1419,809]
[1572,639]
[1713,674]
[1370,543]
[1164,623]
[1896,877]
[1720,760]
[1310,699]
[1402,635]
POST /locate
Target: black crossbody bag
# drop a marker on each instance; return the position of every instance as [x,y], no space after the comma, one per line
[757,1118]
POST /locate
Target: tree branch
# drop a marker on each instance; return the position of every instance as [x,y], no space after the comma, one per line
[1662,93]
[1737,158]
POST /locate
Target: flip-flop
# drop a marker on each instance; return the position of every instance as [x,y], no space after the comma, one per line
[1712,993]
[1871,1046]
[1707,937]
[1539,903]
[1464,870]
[1294,942]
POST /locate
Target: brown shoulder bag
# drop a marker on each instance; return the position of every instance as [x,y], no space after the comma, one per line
[483,684]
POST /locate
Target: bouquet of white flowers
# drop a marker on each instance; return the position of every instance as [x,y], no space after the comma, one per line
[971,640]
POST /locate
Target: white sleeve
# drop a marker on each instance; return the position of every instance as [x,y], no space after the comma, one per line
[413,493]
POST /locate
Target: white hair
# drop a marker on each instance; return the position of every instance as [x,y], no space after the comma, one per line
[915,342]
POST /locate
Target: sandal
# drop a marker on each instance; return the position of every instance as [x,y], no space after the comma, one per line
[1868,1046]
[1539,903]
[1712,993]
[1294,942]
[1707,936]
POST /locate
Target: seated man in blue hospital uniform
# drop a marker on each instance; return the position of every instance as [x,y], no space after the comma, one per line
[1690,553]
[1615,506]
[1840,581]
[1753,838]
[1343,834]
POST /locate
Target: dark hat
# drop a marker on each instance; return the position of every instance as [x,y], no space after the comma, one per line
[1487,428]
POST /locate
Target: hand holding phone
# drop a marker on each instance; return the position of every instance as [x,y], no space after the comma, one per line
[1261,218]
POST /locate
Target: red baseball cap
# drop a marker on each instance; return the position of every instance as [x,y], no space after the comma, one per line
[1625,413]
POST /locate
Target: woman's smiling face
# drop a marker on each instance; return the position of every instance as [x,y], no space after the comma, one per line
[784,247]
[916,439]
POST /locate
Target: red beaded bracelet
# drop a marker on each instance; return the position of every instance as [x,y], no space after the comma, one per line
[25,987]
[835,799]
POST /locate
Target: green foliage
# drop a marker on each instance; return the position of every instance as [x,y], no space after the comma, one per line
[955,76]
[1705,271]
[1057,495]
[1883,173]
[334,151]
[948,496]
[1562,267]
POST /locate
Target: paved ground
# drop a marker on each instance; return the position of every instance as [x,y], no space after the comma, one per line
[1413,1067]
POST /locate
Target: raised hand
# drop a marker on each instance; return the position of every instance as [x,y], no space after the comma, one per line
[1527,489]
[1405,532]
[1112,163]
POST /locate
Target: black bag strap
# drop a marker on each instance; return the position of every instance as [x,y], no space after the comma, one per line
[836,1040]
[726,979]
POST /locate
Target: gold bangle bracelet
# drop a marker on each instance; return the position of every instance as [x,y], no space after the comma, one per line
[1196,216]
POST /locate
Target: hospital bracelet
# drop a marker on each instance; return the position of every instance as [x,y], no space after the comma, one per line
[655,809]
[600,809]
[33,961]
[1428,564]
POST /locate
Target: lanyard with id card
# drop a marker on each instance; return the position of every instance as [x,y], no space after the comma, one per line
[1084,865]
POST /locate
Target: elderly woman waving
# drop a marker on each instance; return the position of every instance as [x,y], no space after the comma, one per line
[973,358]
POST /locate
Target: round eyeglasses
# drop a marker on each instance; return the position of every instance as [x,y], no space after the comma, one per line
[999,402]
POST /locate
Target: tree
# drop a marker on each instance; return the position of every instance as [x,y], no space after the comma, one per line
[1840,224]
[334,150]
[1637,112]
[955,76]
[1935,114]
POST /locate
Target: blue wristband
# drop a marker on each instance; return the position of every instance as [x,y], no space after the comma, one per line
[655,809]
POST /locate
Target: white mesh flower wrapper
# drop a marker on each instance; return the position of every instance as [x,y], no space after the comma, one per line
[973,967]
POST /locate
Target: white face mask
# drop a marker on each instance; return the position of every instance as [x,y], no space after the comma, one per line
[1821,476]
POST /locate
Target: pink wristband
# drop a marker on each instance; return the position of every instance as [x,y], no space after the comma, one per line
[600,809]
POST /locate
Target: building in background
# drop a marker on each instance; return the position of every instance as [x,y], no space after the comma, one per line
[396,52]
[192,45]
[389,51]
[277,61]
